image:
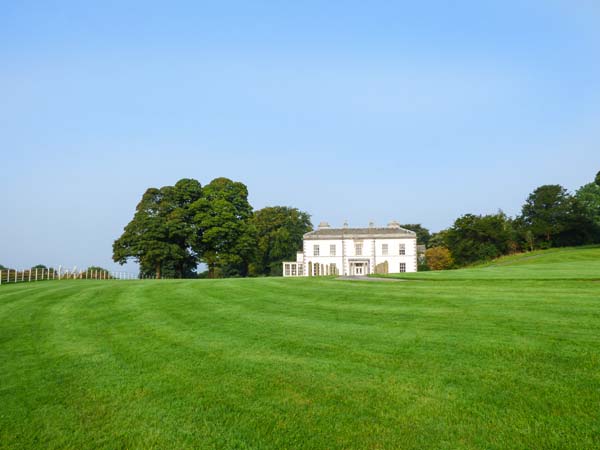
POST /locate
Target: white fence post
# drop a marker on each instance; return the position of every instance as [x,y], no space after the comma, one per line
[29,274]
[0,276]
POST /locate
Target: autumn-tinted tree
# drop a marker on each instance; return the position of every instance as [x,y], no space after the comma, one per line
[224,235]
[279,232]
[478,238]
[423,234]
[438,258]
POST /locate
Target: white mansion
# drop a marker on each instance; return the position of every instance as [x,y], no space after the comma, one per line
[355,251]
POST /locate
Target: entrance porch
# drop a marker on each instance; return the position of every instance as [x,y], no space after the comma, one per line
[359,267]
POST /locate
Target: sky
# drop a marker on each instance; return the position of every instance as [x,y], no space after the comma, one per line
[361,111]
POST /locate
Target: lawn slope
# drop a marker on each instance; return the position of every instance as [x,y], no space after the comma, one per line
[572,263]
[304,363]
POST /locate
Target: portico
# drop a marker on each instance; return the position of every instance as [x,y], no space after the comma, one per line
[359,267]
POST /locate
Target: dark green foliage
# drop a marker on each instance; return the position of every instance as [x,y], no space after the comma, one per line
[161,230]
[224,235]
[279,231]
[479,238]
[588,197]
[175,227]
[438,239]
[555,218]
[423,234]
[597,180]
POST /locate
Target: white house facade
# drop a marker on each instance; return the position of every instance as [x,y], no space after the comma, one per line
[355,251]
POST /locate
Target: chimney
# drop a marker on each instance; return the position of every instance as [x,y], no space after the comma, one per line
[323,225]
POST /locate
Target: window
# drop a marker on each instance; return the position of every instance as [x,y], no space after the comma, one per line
[293,270]
[287,270]
[402,267]
[315,250]
[332,250]
[402,249]
[358,249]
[384,249]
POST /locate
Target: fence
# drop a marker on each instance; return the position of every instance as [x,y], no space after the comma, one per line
[43,274]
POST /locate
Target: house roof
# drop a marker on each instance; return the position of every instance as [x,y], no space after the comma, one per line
[360,233]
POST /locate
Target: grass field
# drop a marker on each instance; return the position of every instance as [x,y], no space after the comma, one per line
[502,356]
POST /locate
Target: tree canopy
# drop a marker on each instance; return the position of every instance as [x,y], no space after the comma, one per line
[160,231]
[176,227]
[478,238]
[224,235]
[555,218]
[279,232]
[588,197]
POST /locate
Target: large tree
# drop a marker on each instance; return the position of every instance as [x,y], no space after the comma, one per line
[478,238]
[597,180]
[279,231]
[545,212]
[224,235]
[588,197]
[554,218]
[161,230]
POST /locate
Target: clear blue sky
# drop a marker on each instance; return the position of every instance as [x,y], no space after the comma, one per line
[415,111]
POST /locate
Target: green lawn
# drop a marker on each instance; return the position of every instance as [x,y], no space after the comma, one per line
[474,361]
[552,265]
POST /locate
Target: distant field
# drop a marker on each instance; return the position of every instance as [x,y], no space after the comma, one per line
[494,357]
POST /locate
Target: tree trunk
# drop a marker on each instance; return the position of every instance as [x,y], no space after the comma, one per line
[158,271]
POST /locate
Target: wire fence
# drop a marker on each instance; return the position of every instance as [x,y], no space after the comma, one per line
[44,274]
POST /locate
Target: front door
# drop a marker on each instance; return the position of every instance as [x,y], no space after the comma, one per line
[359,269]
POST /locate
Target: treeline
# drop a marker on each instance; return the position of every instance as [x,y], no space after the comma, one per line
[550,217]
[175,228]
